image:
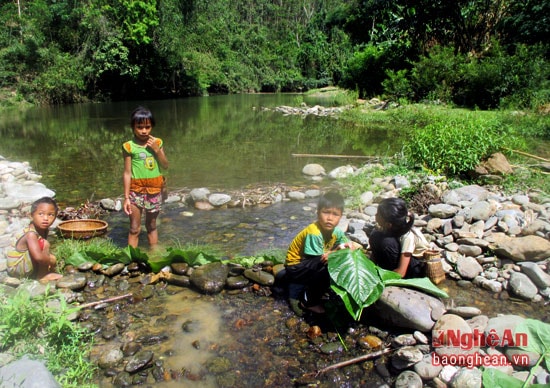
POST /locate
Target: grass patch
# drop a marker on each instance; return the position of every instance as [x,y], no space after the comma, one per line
[452,141]
[40,327]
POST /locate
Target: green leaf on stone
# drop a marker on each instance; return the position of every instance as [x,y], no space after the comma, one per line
[359,282]
[496,379]
[423,284]
[136,254]
[538,338]
[77,259]
[190,256]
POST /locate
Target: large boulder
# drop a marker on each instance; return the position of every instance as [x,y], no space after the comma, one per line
[525,248]
[27,373]
[408,308]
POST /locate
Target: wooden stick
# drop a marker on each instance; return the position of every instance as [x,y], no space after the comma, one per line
[108,300]
[529,155]
[334,156]
[355,360]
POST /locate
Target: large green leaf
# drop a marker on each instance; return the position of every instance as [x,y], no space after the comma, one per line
[423,284]
[538,338]
[496,379]
[77,258]
[135,254]
[359,282]
[354,272]
[353,308]
[386,275]
[190,256]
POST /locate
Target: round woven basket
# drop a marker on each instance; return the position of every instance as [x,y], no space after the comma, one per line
[82,229]
[434,267]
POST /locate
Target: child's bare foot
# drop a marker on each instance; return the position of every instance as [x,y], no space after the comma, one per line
[52,276]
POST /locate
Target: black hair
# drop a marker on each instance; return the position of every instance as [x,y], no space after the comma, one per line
[331,199]
[395,212]
[141,114]
[46,200]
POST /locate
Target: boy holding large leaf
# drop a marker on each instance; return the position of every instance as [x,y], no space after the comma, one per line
[307,255]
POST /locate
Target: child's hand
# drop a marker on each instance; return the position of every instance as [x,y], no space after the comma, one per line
[152,143]
[324,257]
[345,245]
[127,206]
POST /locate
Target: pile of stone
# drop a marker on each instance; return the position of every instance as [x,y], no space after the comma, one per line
[19,187]
[498,242]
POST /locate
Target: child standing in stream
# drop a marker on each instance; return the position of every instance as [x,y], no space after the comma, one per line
[143,180]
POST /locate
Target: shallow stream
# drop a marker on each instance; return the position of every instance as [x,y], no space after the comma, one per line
[246,339]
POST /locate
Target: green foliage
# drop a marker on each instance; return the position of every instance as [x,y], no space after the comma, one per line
[538,341]
[62,52]
[397,87]
[494,79]
[28,326]
[359,282]
[365,71]
[96,250]
[103,251]
[192,257]
[455,147]
[434,76]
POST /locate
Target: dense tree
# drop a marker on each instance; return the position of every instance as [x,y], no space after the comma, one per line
[59,51]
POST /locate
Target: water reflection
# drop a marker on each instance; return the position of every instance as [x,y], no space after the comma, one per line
[220,142]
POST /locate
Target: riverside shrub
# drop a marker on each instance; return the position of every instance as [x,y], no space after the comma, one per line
[454,147]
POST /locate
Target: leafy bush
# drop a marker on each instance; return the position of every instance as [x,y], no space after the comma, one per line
[366,70]
[433,76]
[454,147]
[397,86]
[29,326]
[492,80]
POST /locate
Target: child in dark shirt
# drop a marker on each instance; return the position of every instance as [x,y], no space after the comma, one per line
[396,245]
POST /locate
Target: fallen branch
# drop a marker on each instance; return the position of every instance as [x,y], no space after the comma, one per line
[529,155]
[108,300]
[355,360]
[334,156]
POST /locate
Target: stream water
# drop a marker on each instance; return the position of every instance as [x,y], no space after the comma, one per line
[220,142]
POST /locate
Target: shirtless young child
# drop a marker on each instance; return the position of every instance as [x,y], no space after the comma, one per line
[30,254]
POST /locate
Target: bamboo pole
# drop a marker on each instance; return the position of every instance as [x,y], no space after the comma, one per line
[108,300]
[355,360]
[529,155]
[334,156]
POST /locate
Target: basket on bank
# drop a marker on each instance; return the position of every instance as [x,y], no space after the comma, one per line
[434,267]
[82,229]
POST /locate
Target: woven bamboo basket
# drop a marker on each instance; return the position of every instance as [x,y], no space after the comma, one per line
[434,267]
[82,229]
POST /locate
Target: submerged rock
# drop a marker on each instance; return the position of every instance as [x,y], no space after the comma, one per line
[210,278]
